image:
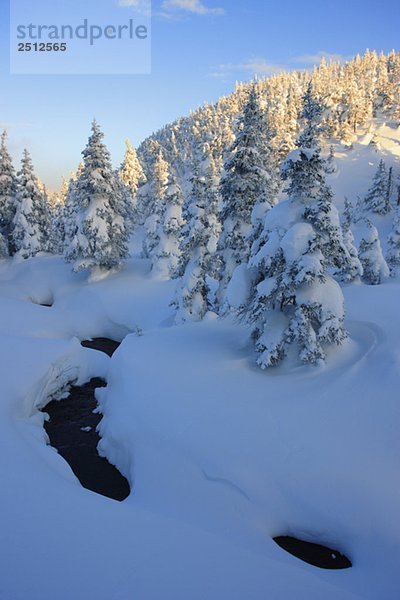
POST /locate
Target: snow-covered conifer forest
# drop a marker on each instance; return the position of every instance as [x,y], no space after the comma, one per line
[247,257]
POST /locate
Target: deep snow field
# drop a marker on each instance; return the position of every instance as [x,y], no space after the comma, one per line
[221,456]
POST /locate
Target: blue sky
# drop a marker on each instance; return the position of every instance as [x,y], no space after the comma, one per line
[199,49]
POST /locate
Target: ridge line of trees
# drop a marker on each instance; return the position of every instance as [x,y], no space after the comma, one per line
[235,206]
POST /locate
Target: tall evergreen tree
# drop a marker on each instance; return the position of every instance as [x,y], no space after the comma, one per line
[8,191]
[45,220]
[243,181]
[294,299]
[66,225]
[58,229]
[64,189]
[156,203]
[197,264]
[29,235]
[126,204]
[99,239]
[167,252]
[269,192]
[131,171]
[352,268]
[377,199]
[133,176]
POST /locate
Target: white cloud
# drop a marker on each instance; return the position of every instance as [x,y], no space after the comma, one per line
[170,9]
[253,66]
[193,6]
[311,59]
[142,7]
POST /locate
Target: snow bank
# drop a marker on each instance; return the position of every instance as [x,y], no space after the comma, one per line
[249,455]
[221,456]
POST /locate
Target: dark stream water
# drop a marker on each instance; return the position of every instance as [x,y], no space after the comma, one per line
[314,554]
[72,431]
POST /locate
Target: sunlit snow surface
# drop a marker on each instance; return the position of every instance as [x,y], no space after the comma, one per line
[220,455]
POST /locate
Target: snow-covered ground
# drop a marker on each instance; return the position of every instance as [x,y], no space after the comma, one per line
[221,456]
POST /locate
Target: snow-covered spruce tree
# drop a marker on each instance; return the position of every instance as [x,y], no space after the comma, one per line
[131,171]
[58,229]
[41,187]
[156,203]
[132,174]
[99,239]
[377,199]
[211,169]
[45,221]
[348,212]
[197,264]
[30,233]
[352,268]
[45,216]
[330,162]
[166,254]
[269,192]
[64,188]
[242,275]
[294,300]
[66,225]
[393,252]
[126,205]
[60,220]
[375,268]
[242,183]
[305,170]
[8,191]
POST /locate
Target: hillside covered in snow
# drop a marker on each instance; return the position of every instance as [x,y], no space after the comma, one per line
[247,258]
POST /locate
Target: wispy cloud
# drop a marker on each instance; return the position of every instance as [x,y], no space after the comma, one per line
[14,125]
[142,7]
[196,7]
[312,59]
[170,9]
[253,66]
